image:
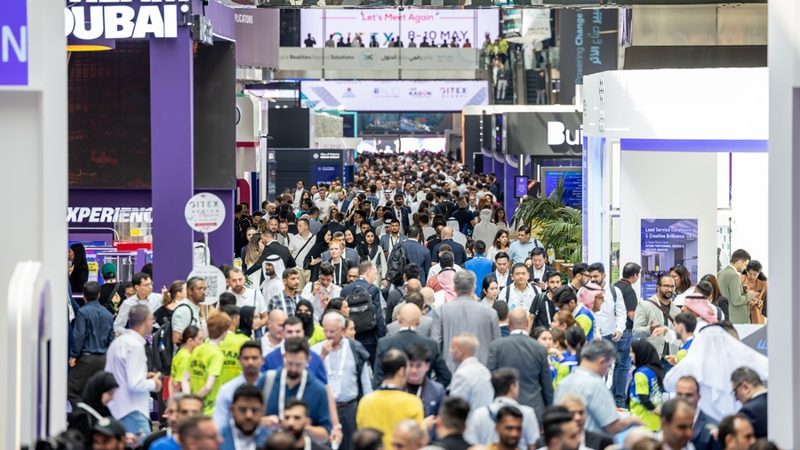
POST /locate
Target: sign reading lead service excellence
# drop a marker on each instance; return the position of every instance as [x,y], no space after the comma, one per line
[204,212]
[13,43]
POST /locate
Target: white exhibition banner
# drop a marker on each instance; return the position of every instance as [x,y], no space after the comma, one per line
[387,96]
[435,25]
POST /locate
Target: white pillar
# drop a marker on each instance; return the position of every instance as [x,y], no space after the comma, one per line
[33,157]
[784,222]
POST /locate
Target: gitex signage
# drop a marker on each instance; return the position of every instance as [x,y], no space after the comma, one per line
[14,43]
[123,19]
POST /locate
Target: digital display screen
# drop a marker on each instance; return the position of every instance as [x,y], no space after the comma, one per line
[573,183]
[520,186]
[325,173]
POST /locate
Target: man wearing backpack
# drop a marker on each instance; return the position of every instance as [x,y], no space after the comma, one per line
[364,300]
[183,316]
[612,320]
[413,252]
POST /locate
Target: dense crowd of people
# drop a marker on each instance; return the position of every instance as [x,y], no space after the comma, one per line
[403,311]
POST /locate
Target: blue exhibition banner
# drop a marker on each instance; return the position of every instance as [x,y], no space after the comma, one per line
[666,243]
[14,43]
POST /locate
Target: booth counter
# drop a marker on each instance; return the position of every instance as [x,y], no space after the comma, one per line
[675,168]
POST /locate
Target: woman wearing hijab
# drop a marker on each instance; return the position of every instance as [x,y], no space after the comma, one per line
[647,385]
[312,330]
[92,408]
[314,256]
[78,268]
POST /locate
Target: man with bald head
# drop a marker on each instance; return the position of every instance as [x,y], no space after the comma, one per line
[529,357]
[274,336]
[472,381]
[423,327]
[408,319]
[459,254]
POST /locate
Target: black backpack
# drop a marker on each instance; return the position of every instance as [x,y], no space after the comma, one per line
[396,266]
[361,309]
[162,347]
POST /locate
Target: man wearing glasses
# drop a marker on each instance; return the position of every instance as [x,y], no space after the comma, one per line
[143,286]
[244,430]
[654,320]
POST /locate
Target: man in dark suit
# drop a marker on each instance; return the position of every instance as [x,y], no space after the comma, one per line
[592,440]
[367,273]
[750,390]
[408,319]
[272,247]
[401,212]
[502,270]
[688,388]
[519,351]
[416,253]
[459,253]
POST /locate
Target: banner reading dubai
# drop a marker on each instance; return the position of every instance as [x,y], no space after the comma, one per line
[436,26]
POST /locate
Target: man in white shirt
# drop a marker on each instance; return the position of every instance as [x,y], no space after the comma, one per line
[520,293]
[302,242]
[274,336]
[481,425]
[611,321]
[248,297]
[323,203]
[143,285]
[347,366]
[320,292]
[251,359]
[127,361]
[501,274]
[298,193]
[187,312]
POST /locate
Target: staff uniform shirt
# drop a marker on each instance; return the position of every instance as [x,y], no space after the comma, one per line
[230,346]
[516,298]
[340,365]
[181,363]
[127,361]
[207,360]
[251,297]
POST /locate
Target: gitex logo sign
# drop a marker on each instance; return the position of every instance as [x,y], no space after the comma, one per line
[557,134]
[117,19]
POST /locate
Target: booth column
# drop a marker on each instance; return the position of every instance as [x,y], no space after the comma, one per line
[172,160]
[784,222]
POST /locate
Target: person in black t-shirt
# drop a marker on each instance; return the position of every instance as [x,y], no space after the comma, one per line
[451,424]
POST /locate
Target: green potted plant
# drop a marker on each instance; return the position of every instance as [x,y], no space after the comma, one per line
[560,227]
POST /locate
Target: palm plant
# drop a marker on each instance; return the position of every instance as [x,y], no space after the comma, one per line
[559,226]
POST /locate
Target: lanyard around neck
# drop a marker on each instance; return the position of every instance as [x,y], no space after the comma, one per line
[282,391]
[342,359]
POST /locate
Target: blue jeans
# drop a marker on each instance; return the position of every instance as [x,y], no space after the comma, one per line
[622,367]
[136,423]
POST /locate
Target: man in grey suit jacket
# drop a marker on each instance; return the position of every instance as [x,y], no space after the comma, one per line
[730,286]
[465,315]
[421,323]
[523,353]
[472,381]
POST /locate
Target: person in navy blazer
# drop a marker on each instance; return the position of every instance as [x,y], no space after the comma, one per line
[703,438]
[502,262]
[750,390]
[244,427]
[401,212]
[417,253]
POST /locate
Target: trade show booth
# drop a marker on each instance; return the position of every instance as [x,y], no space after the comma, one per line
[675,169]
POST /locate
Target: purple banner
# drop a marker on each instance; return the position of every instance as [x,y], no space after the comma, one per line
[14,43]
[257,37]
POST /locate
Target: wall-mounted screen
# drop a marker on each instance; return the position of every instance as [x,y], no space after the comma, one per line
[573,183]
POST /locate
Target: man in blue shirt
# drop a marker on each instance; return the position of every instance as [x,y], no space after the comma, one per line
[93,331]
[479,265]
[293,328]
[294,382]
[521,249]
[244,429]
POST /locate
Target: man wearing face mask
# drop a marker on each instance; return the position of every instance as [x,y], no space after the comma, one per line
[243,432]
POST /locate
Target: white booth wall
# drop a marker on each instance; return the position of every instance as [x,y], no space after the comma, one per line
[676,144]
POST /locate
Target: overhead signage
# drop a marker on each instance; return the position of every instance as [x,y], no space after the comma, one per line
[387,96]
[544,133]
[100,214]
[204,212]
[124,19]
[436,26]
[14,43]
[588,45]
